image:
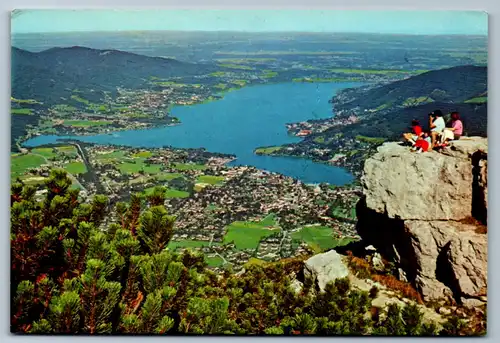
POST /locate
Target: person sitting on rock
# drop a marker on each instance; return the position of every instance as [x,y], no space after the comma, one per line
[457,126]
[437,125]
[422,143]
[455,131]
[416,132]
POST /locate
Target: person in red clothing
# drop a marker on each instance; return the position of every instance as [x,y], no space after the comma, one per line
[415,134]
[422,144]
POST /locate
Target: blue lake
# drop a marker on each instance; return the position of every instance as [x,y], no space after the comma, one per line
[243,120]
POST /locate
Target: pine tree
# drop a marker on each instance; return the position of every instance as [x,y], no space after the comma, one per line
[156,229]
[72,274]
[157,196]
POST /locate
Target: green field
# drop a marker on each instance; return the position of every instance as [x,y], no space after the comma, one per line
[80,99]
[478,100]
[375,140]
[24,111]
[188,166]
[210,179]
[214,261]
[52,152]
[98,108]
[86,123]
[24,101]
[132,168]
[45,152]
[170,193]
[320,236]
[268,150]
[269,220]
[269,74]
[221,86]
[173,245]
[76,168]
[339,212]
[410,102]
[247,235]
[19,164]
[68,150]
[218,74]
[383,106]
[174,193]
[477,57]
[115,155]
[144,154]
[240,83]
[167,176]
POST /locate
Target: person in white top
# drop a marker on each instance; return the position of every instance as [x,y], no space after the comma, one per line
[437,125]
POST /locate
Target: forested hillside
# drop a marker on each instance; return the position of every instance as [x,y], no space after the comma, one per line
[452,85]
[54,73]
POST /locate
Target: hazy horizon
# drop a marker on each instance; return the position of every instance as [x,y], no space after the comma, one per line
[402,22]
[251,32]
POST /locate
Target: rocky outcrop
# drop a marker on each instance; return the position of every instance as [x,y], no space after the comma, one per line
[330,266]
[427,212]
[325,268]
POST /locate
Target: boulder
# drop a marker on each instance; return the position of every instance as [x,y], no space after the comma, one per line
[468,259]
[472,303]
[325,268]
[450,259]
[410,186]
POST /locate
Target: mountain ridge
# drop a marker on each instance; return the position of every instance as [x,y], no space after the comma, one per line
[53,73]
[449,85]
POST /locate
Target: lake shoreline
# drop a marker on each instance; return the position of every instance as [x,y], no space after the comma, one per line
[235,126]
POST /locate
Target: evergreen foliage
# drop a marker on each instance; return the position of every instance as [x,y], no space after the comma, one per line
[73,275]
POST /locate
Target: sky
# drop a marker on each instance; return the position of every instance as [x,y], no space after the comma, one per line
[394,22]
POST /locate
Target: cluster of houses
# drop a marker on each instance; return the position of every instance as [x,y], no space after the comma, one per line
[307,128]
[247,194]
[250,194]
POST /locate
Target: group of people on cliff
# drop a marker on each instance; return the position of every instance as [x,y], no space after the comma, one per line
[439,133]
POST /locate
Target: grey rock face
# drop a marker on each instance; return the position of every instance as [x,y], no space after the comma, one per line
[428,212]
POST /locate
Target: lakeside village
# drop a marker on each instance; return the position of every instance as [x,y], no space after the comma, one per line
[150,104]
[235,215]
[337,150]
[130,110]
